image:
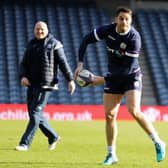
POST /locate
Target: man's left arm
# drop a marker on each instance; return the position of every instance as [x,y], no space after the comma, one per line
[65,68]
[63,63]
[135,46]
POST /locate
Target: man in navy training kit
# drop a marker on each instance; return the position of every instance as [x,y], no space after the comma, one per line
[38,72]
[124,77]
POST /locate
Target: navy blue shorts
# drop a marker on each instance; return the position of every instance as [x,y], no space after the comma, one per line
[121,84]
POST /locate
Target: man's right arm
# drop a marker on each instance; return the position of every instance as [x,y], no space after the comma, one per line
[95,36]
[23,71]
[22,68]
[88,39]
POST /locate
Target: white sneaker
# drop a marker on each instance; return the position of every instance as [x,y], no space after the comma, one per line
[22,148]
[110,159]
[53,145]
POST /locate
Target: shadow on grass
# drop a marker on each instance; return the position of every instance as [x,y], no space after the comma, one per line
[49,164]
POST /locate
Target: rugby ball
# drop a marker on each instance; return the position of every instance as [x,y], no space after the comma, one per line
[84,78]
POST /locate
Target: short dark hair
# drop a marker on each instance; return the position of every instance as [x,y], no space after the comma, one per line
[123,9]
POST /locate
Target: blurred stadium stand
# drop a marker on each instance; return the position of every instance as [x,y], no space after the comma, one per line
[69,21]
[153,25]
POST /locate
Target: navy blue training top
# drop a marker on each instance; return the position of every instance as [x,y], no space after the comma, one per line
[123,48]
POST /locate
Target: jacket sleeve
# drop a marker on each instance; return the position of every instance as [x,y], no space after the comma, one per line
[89,38]
[63,64]
[23,66]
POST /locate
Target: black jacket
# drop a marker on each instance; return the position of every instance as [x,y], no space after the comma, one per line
[41,61]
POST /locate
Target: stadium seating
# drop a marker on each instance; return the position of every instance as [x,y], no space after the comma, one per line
[153,25]
[69,22]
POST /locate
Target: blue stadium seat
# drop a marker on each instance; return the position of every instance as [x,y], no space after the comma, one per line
[69,23]
[152,25]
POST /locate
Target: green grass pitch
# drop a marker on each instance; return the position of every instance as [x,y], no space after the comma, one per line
[82,146]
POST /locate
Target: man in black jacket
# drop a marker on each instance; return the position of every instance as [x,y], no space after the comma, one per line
[38,72]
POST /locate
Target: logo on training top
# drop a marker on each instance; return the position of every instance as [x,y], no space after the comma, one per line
[136,84]
[123,46]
